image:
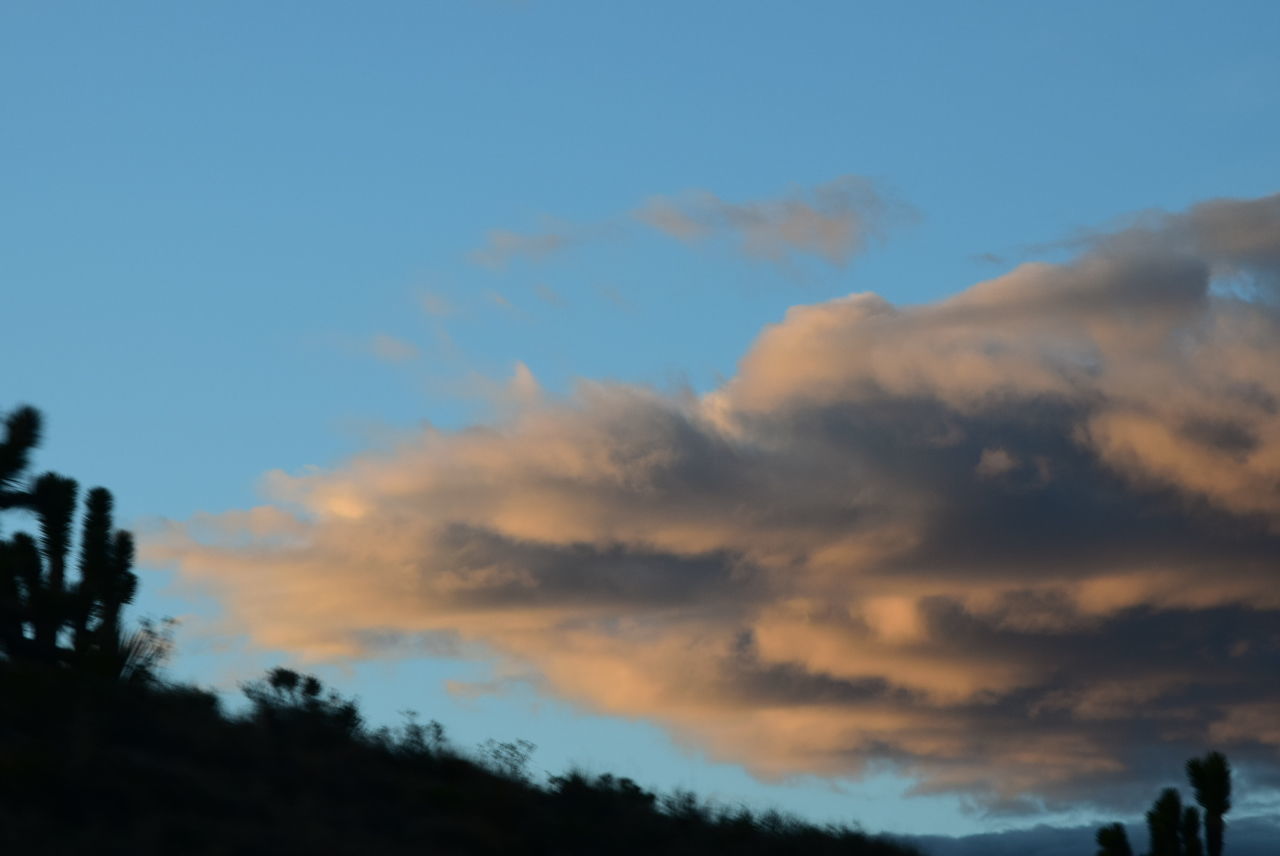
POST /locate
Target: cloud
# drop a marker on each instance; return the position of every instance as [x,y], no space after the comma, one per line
[832,221]
[523,388]
[612,295]
[500,301]
[435,305]
[1019,543]
[472,690]
[502,246]
[548,295]
[995,462]
[389,349]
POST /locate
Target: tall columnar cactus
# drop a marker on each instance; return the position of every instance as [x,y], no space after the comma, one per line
[20,579]
[1211,779]
[20,564]
[117,590]
[54,499]
[21,435]
[1164,822]
[1113,841]
[95,563]
[106,581]
[1191,844]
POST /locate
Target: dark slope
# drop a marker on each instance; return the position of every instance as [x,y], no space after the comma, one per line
[88,766]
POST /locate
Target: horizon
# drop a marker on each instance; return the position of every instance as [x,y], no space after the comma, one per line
[864,412]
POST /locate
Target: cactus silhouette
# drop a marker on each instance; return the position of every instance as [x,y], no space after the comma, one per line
[1174,829]
[20,571]
[21,435]
[1113,841]
[1211,780]
[106,581]
[1164,822]
[1191,844]
[53,498]
[20,568]
[39,605]
[95,562]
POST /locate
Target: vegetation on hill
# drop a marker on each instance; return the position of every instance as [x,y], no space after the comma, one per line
[99,754]
[1175,830]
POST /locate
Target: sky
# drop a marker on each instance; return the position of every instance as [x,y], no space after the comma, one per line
[864,409]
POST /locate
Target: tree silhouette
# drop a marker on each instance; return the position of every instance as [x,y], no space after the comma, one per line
[1191,844]
[1113,841]
[39,606]
[1164,822]
[1211,779]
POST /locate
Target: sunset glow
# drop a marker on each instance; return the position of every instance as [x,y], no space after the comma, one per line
[867,409]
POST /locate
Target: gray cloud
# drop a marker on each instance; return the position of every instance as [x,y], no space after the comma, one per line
[548,295]
[389,349]
[1020,543]
[502,246]
[832,221]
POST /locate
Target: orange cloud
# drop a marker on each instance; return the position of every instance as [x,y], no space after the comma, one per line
[1016,542]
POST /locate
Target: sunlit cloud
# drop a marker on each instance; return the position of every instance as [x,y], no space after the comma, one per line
[1019,543]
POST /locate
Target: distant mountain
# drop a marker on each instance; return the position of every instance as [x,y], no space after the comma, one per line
[1246,836]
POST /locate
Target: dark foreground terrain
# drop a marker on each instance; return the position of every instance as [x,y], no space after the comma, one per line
[136,766]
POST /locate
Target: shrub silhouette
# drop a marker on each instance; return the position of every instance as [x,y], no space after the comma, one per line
[508,758]
[290,706]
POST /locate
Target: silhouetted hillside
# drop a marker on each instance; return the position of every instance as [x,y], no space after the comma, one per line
[143,767]
[98,755]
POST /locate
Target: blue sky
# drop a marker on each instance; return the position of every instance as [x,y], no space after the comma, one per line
[242,237]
